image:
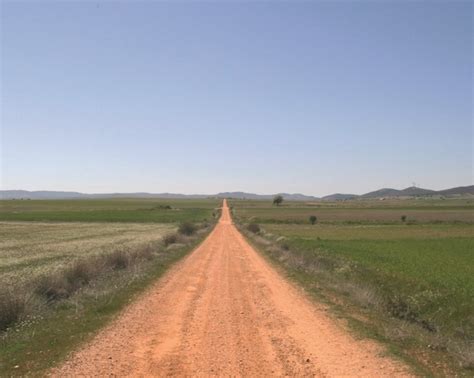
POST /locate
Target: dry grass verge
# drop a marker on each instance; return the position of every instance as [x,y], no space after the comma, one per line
[12,308]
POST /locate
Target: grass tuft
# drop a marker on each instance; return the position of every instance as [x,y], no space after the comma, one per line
[52,287]
[12,308]
[80,274]
[118,260]
[253,227]
[170,239]
[187,228]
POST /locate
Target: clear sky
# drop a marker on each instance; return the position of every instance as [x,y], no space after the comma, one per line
[202,97]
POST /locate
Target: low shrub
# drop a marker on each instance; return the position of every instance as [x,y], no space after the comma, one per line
[161,207]
[170,239]
[285,246]
[145,253]
[253,227]
[187,228]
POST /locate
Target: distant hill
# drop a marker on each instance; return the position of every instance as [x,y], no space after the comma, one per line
[408,192]
[286,196]
[414,191]
[298,197]
[384,192]
[381,193]
[411,191]
[243,195]
[457,191]
[24,194]
[339,197]
[41,194]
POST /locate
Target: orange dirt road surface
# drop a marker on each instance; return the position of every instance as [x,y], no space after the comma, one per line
[224,310]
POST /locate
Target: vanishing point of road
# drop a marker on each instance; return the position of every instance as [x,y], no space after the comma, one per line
[224,310]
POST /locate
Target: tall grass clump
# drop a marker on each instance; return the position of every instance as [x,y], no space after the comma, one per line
[118,260]
[81,273]
[187,228]
[170,239]
[52,287]
[12,308]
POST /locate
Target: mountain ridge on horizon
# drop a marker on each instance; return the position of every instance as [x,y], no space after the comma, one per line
[380,193]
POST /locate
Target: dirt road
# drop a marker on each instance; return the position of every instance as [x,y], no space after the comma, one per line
[225,311]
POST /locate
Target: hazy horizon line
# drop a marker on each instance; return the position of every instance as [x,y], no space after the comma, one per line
[230,191]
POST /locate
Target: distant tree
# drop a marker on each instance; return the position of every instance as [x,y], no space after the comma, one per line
[277,200]
[313,219]
[403,218]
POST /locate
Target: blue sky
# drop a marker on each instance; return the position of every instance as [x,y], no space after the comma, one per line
[312,97]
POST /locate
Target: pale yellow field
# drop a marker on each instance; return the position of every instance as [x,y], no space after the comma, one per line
[28,249]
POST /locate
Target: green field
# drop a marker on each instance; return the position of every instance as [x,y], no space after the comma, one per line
[108,210]
[419,272]
[358,212]
[436,276]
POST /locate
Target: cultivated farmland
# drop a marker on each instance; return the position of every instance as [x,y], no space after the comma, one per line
[108,210]
[67,266]
[359,212]
[30,249]
[410,278]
